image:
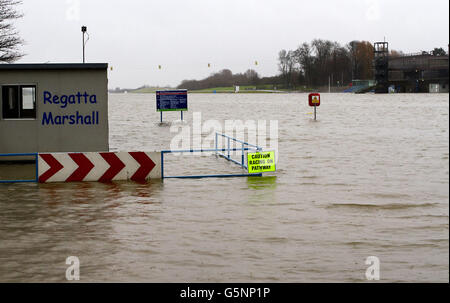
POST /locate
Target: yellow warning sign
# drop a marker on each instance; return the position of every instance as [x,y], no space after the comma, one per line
[315,99]
[261,162]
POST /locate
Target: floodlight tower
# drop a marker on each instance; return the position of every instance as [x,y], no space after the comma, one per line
[84,31]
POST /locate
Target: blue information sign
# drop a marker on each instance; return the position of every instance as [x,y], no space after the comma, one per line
[171,100]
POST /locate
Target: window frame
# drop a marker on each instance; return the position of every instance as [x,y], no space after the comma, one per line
[20,97]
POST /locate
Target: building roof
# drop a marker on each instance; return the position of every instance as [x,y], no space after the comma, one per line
[53,66]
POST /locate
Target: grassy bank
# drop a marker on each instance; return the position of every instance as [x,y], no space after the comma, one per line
[212,90]
[148,90]
[242,90]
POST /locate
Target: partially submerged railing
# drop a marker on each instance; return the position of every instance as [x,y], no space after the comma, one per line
[220,152]
[23,155]
[229,139]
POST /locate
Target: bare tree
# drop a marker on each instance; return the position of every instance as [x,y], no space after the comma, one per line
[9,39]
[282,62]
[323,50]
[291,69]
[304,58]
[361,54]
[286,65]
[251,76]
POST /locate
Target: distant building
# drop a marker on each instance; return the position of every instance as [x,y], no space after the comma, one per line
[416,72]
[421,72]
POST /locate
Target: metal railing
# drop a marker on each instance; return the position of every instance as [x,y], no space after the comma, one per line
[36,179]
[229,139]
[219,152]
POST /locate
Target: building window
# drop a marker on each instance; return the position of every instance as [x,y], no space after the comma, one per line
[19,101]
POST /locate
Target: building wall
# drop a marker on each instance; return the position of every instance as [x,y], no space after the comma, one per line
[443,88]
[33,135]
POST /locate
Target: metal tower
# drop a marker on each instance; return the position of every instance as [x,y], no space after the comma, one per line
[381,66]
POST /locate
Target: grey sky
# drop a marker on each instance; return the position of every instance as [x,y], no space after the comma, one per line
[183,36]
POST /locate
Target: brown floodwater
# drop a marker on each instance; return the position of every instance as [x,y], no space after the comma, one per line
[370,177]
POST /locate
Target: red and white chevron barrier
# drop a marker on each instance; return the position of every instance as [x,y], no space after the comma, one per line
[103,167]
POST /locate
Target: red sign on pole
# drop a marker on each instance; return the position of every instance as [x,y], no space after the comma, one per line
[314,99]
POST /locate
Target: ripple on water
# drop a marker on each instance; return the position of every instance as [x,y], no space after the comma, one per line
[387,206]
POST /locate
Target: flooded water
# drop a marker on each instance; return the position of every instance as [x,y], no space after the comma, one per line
[369,178]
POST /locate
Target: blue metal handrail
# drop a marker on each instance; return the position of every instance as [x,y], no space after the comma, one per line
[21,155]
[218,152]
[255,147]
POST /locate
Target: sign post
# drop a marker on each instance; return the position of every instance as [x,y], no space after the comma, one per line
[171,100]
[314,100]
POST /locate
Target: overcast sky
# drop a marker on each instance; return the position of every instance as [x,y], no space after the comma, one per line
[183,36]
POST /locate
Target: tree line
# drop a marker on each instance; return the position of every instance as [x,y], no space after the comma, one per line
[324,62]
[310,65]
[226,78]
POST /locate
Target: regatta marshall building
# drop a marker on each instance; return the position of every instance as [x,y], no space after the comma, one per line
[53,108]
